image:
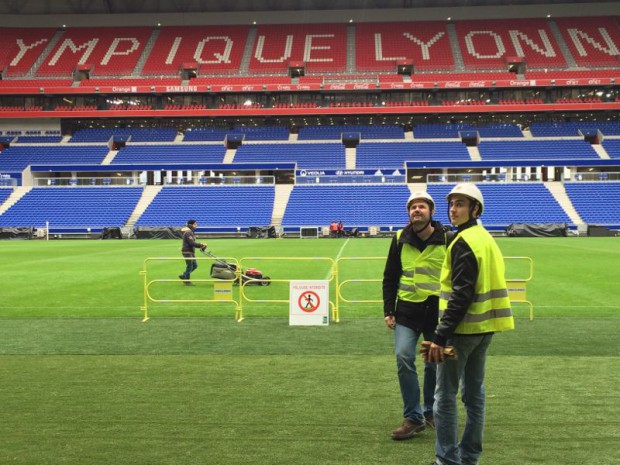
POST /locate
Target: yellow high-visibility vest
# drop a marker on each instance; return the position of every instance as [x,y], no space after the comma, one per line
[421,271]
[490,310]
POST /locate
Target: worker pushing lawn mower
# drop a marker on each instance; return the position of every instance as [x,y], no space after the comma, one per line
[221,269]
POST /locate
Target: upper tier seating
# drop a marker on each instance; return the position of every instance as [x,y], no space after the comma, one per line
[485,44]
[37,83]
[593,41]
[446,131]
[393,155]
[507,203]
[596,202]
[125,82]
[539,150]
[589,74]
[17,157]
[132,134]
[5,192]
[322,47]
[112,51]
[543,129]
[173,153]
[206,134]
[378,46]
[213,206]
[387,131]
[307,156]
[612,146]
[39,139]
[21,46]
[75,207]
[249,133]
[354,205]
[215,49]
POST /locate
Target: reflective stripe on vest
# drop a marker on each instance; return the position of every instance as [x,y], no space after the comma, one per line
[490,309]
[421,271]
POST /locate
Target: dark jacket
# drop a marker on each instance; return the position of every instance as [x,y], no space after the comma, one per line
[464,276]
[420,316]
[189,241]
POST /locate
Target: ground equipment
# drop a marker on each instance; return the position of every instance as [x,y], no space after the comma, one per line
[221,269]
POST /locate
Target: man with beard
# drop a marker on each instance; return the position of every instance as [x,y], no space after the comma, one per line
[410,306]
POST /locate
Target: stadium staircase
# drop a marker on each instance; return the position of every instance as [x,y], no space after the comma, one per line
[148,194]
[12,199]
[282,194]
[559,193]
[39,61]
[474,153]
[229,156]
[601,151]
[137,71]
[459,65]
[350,156]
[557,35]
[109,158]
[351,49]
[247,51]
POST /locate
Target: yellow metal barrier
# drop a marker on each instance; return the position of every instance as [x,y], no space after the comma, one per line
[517,286]
[222,288]
[341,284]
[333,274]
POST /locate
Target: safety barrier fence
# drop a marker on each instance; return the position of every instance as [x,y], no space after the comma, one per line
[223,288]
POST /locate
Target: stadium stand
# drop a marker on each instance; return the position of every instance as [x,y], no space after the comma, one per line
[596,203]
[389,131]
[535,204]
[306,155]
[132,134]
[355,205]
[5,192]
[112,51]
[173,153]
[75,208]
[17,157]
[485,44]
[379,46]
[221,208]
[540,150]
[592,41]
[21,47]
[612,146]
[394,155]
[321,47]
[214,49]
[571,128]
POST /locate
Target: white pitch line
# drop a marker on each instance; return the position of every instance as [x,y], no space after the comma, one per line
[329,273]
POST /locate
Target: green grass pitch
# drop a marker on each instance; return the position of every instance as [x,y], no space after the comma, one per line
[85,381]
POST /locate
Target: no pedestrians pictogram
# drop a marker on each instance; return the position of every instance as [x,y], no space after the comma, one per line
[308,301]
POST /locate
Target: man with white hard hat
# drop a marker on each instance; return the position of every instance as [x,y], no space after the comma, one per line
[410,306]
[473,305]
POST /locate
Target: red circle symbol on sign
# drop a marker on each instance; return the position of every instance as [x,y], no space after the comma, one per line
[308,301]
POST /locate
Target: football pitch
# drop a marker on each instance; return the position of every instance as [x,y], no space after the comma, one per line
[85,381]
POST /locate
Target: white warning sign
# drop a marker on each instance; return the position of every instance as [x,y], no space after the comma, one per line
[309,303]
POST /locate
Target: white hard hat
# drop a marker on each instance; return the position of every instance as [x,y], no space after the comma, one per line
[421,195]
[469,190]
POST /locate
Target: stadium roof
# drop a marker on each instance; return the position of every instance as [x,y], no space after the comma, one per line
[60,7]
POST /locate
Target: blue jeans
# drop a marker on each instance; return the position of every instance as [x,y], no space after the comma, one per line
[190,263]
[405,342]
[467,371]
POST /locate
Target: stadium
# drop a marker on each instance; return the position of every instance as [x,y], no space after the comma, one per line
[268,122]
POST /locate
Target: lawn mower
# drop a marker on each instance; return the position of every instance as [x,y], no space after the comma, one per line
[221,269]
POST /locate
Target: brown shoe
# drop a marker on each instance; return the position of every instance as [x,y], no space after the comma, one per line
[429,421]
[407,430]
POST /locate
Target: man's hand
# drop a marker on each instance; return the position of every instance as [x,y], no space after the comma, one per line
[390,321]
[433,353]
[203,247]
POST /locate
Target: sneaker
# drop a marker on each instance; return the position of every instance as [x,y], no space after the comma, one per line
[407,430]
[186,281]
[429,421]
